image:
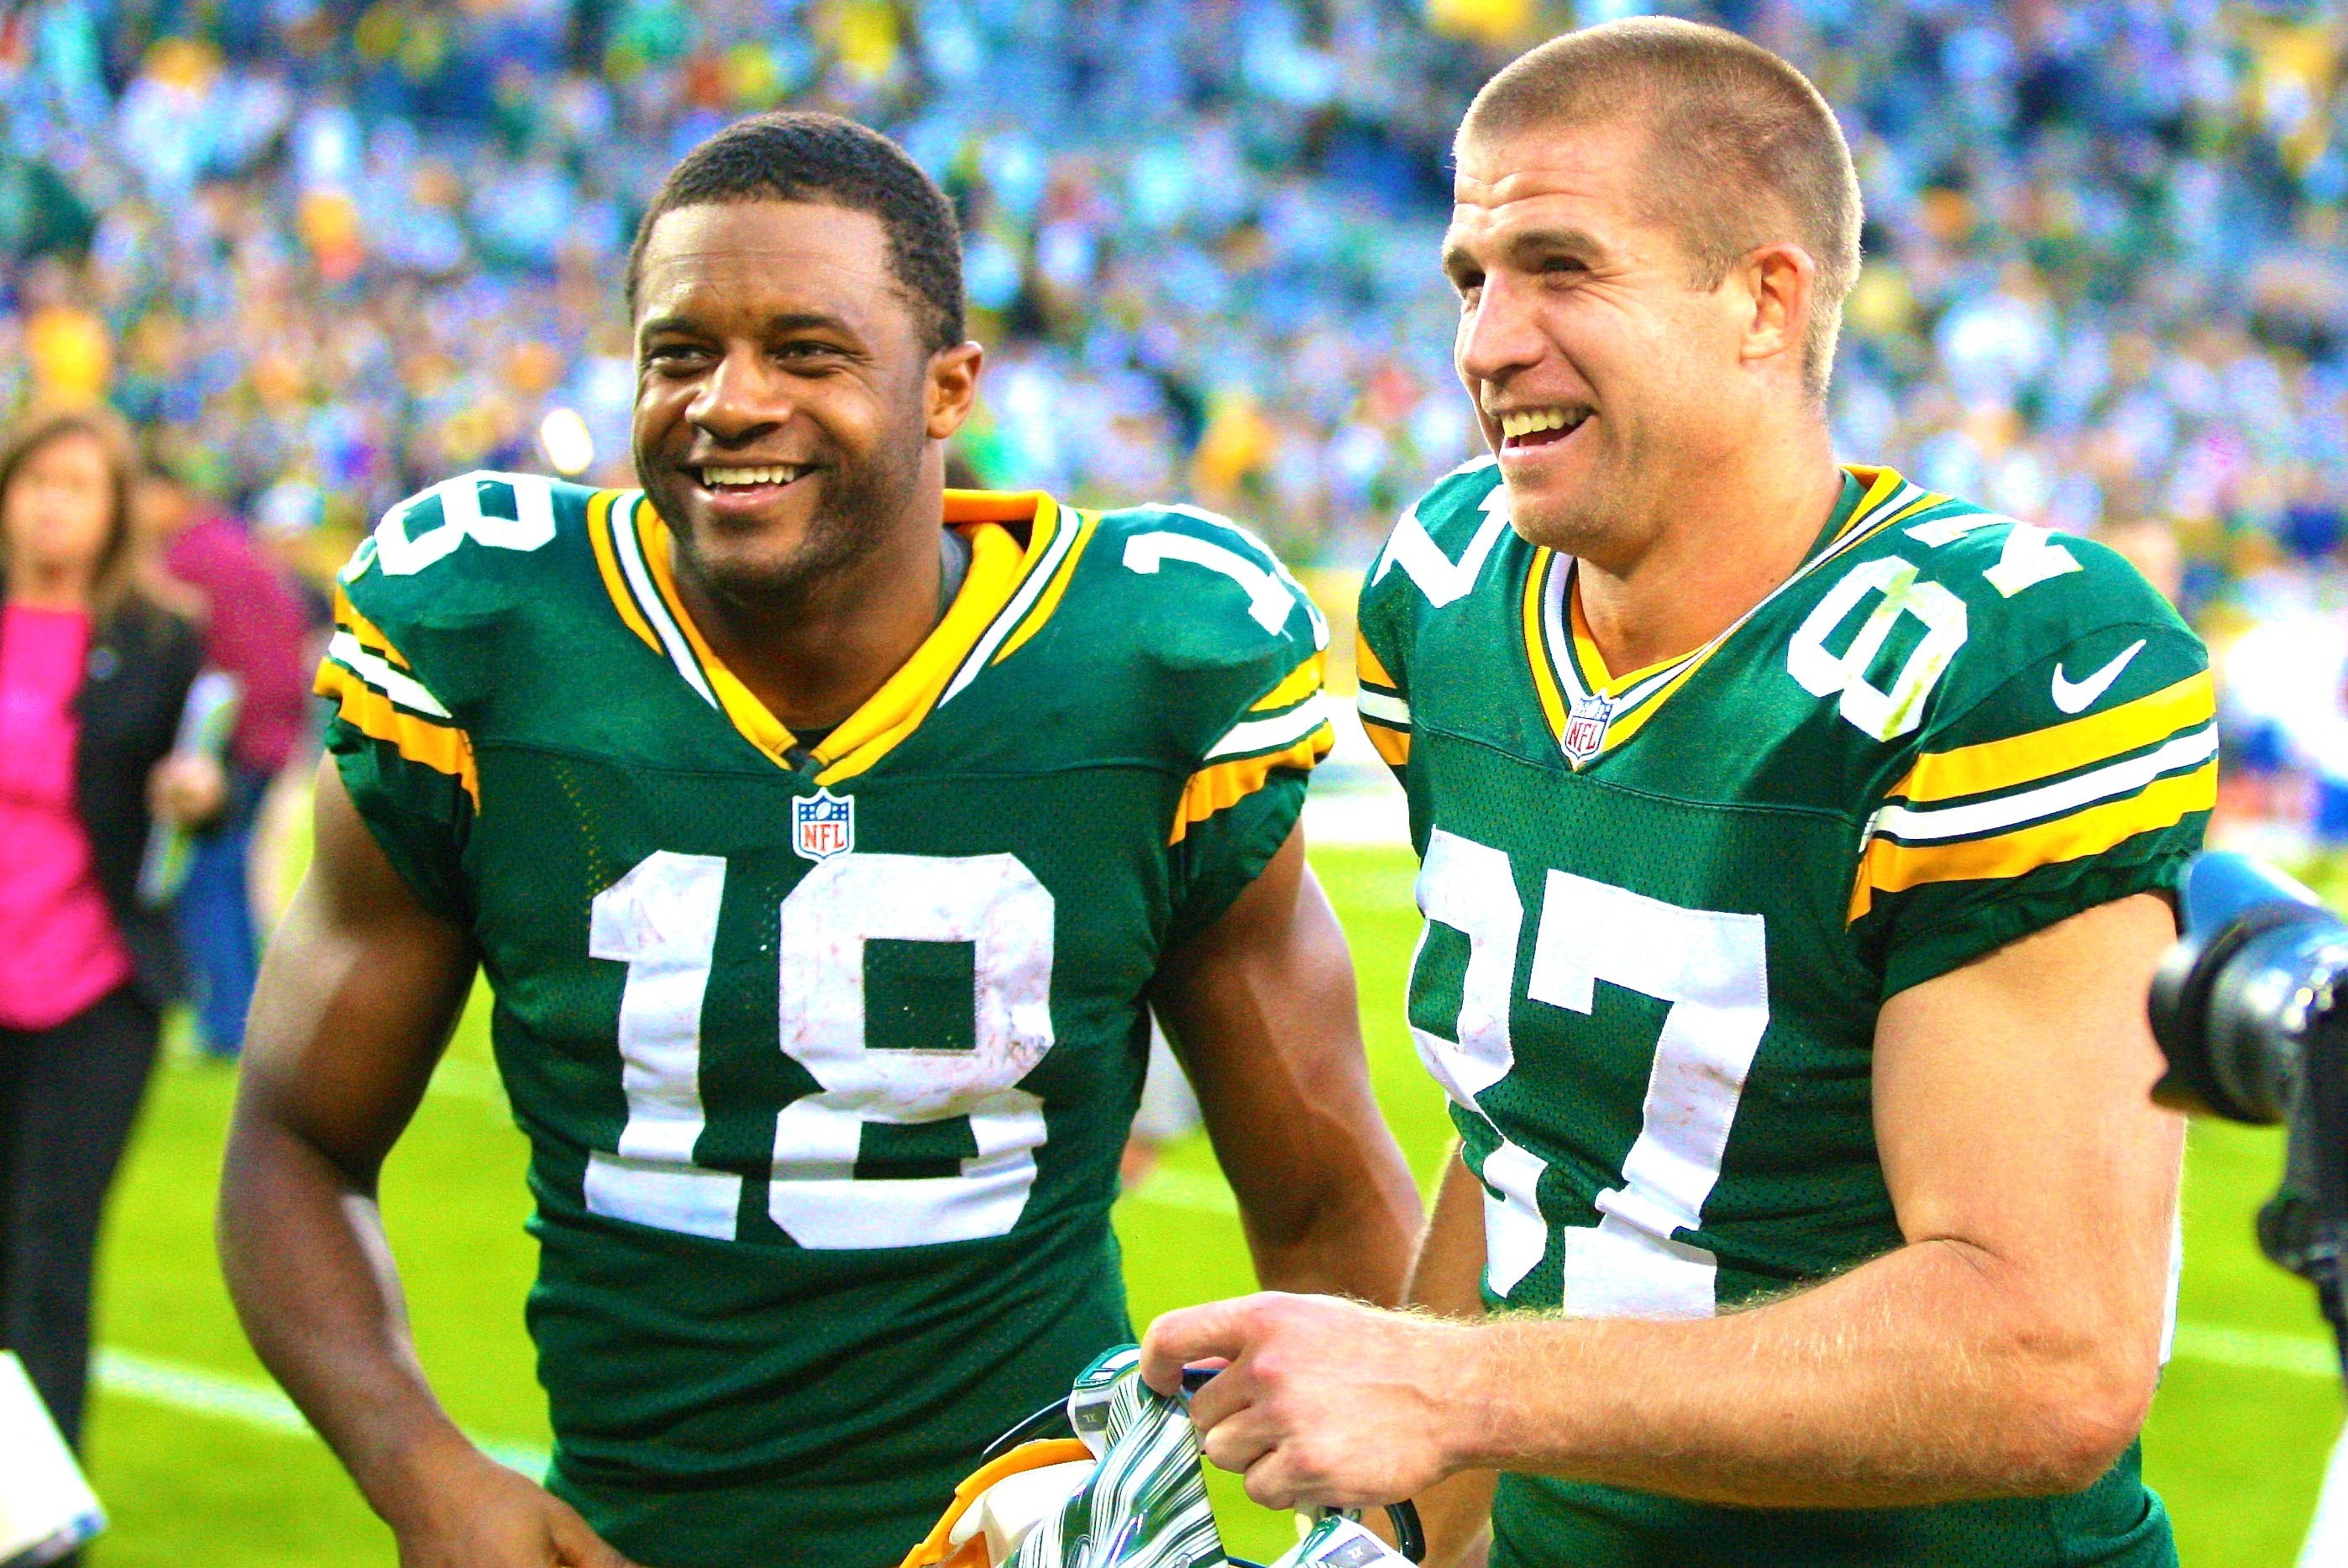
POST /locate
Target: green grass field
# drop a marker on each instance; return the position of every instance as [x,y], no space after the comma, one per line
[200,1463]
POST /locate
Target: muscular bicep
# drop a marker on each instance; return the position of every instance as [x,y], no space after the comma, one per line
[1260,1007]
[358,994]
[2015,1115]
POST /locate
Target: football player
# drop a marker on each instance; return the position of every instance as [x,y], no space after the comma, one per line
[826,838]
[1796,851]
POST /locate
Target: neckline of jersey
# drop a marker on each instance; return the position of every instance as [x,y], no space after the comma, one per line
[1006,593]
[1560,649]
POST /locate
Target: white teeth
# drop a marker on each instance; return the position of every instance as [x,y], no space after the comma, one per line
[773,474]
[1527,421]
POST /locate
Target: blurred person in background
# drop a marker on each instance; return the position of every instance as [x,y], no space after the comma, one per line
[254,629]
[94,670]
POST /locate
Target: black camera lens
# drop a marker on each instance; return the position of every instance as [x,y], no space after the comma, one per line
[2233,1002]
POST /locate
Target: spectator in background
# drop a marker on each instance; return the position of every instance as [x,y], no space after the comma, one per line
[254,629]
[93,673]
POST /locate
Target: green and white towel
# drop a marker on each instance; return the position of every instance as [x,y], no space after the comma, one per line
[1145,1504]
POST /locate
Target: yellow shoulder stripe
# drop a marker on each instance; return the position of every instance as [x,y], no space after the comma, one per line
[2041,753]
[1226,784]
[442,747]
[599,523]
[370,636]
[1392,745]
[1889,867]
[1367,666]
[1294,686]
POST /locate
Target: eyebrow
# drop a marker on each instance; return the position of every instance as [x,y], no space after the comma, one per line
[1527,243]
[786,322]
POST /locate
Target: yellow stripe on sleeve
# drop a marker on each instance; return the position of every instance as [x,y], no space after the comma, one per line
[1891,867]
[1367,669]
[370,636]
[1394,745]
[2043,753]
[1226,784]
[442,747]
[1294,686]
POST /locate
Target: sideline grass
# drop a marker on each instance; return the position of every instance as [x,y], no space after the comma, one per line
[2237,1450]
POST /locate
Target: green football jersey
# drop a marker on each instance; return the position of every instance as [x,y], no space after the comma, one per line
[1664,909]
[826,1054]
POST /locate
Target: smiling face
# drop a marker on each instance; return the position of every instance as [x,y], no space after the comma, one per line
[1603,374]
[789,403]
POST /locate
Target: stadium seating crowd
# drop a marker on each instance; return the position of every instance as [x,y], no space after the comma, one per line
[336,250]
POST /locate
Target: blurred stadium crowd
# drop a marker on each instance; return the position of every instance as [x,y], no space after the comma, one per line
[325,252]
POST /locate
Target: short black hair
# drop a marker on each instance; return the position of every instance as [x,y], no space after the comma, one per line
[799,155]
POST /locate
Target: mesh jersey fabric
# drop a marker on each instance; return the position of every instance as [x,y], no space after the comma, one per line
[825,1067]
[1664,911]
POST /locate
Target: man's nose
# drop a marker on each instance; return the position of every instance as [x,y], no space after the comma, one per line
[743,397]
[1500,335]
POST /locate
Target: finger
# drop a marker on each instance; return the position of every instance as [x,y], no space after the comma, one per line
[1232,1391]
[1193,1334]
[1238,1446]
[576,1546]
[1267,1483]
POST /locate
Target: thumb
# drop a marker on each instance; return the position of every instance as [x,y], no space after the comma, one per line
[1220,1328]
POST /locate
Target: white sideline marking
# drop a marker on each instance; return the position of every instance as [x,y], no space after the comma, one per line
[203,1393]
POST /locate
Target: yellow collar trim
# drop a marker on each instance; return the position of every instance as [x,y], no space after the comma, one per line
[1887,498]
[999,566]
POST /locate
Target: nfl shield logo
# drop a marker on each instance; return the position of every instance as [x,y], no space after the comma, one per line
[823,824]
[1585,728]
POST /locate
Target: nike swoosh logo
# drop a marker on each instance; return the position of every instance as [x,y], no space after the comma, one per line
[2077,697]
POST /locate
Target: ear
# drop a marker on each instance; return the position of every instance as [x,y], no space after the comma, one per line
[953,387]
[1777,289]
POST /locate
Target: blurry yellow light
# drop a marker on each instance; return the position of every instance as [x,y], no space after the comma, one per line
[563,435]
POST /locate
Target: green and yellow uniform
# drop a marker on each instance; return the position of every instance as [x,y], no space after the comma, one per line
[826,1053]
[1665,910]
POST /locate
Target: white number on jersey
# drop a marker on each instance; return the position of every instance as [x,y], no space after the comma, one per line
[1440,578]
[660,920]
[461,518]
[1468,886]
[1711,968]
[1885,714]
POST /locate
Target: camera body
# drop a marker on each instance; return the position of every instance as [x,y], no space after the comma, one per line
[2251,1007]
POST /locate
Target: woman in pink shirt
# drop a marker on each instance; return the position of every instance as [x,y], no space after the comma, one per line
[93,675]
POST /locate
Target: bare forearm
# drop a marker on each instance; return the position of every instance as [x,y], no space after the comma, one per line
[1923,1377]
[313,1279]
[1357,1242]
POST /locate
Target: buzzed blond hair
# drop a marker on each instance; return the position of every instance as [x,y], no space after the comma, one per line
[1741,152]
